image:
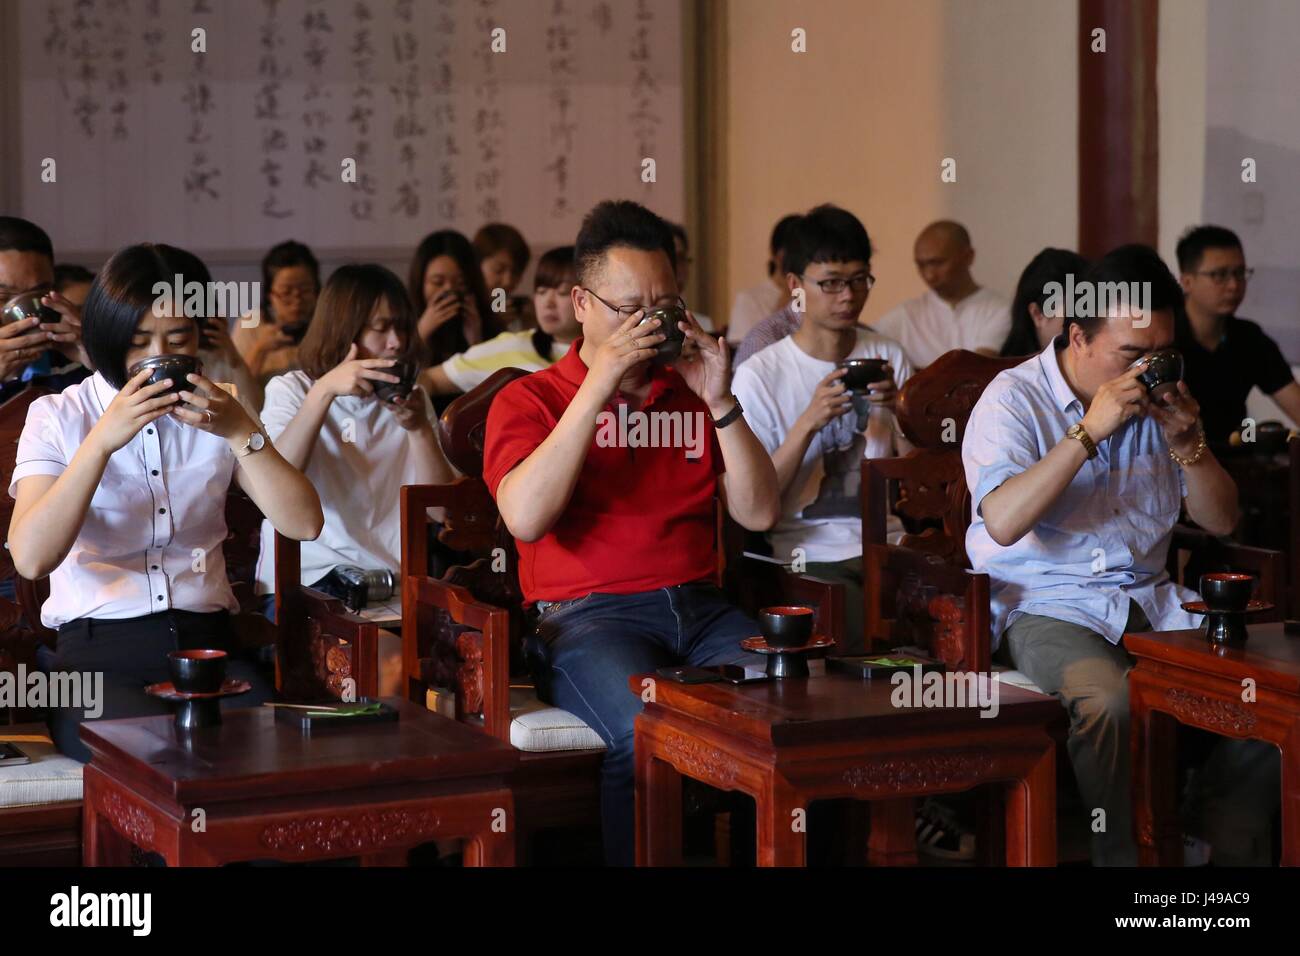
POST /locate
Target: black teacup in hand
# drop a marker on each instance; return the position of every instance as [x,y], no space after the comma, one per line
[26,305]
[786,626]
[197,671]
[392,391]
[859,373]
[667,351]
[178,368]
[1162,374]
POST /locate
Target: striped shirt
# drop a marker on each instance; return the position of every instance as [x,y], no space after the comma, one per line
[507,350]
[771,330]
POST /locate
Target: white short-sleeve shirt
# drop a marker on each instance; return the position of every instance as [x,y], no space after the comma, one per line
[821,510]
[927,326]
[153,534]
[361,460]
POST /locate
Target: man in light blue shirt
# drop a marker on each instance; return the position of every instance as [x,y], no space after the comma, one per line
[1077,478]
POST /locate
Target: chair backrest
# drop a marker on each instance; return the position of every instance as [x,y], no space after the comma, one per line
[467,625]
[927,489]
[921,600]
[936,402]
[322,649]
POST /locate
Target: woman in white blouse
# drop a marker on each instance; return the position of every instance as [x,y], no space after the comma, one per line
[357,449]
[120,495]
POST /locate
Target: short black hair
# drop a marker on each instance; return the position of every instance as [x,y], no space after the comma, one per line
[67,273]
[20,235]
[123,292]
[1127,264]
[619,223]
[826,234]
[781,232]
[285,255]
[1191,247]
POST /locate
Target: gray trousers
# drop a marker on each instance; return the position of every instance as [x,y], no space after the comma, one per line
[1235,793]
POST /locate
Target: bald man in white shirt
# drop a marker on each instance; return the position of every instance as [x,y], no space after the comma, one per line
[955,312]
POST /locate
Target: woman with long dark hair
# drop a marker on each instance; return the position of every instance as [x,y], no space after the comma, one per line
[1031,327]
[449,296]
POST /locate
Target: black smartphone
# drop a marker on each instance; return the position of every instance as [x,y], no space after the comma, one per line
[11,756]
[735,674]
[689,675]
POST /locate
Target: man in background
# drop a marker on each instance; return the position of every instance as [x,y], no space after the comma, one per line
[1224,356]
[955,312]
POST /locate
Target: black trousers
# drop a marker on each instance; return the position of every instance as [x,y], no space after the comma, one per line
[131,654]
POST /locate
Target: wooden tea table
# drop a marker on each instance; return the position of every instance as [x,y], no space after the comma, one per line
[1181,677]
[789,742]
[255,789]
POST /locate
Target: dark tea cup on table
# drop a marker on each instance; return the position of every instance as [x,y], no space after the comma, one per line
[786,625]
[859,373]
[1226,595]
[667,351]
[178,368]
[392,391]
[1163,372]
[199,671]
[26,305]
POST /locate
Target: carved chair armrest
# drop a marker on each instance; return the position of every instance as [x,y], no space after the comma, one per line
[913,597]
[326,627]
[767,581]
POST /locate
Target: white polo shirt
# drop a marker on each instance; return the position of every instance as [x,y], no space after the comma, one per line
[361,460]
[927,326]
[153,534]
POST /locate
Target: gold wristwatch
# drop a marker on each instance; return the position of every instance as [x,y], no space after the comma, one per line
[1076,431]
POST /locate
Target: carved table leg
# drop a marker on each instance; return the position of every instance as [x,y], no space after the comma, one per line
[101,844]
[779,842]
[1031,814]
[1155,818]
[1291,799]
[658,806]
[494,843]
[893,833]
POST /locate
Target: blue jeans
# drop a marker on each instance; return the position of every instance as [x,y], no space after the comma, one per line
[585,650]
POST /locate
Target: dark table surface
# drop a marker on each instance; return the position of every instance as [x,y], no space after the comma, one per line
[815,709]
[1270,655]
[252,755]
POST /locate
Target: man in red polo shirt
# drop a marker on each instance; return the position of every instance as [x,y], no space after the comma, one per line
[605,468]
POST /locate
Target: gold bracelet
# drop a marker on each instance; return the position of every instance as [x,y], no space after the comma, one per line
[1195,456]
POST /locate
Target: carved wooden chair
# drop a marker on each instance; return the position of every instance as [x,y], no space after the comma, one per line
[462,632]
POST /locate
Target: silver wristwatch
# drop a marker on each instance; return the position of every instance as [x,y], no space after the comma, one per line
[256,442]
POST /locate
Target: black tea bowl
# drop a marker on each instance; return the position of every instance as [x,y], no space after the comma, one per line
[1163,373]
[175,367]
[786,625]
[25,305]
[861,372]
[199,671]
[391,391]
[1227,591]
[667,351]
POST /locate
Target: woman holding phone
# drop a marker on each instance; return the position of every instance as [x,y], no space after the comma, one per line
[337,421]
[120,491]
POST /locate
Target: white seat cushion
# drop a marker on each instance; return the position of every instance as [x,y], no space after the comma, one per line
[536,727]
[49,778]
[1018,679]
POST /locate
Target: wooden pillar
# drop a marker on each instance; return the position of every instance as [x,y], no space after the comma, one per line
[1118,125]
[705,91]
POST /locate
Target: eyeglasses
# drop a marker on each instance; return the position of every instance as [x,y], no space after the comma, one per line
[627,311]
[863,280]
[1221,276]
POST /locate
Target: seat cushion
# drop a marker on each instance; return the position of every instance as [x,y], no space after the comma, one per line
[49,778]
[537,727]
[1018,679]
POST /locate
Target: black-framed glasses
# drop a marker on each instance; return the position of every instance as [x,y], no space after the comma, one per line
[863,280]
[627,311]
[1221,276]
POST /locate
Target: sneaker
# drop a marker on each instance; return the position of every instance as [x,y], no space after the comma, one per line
[939,835]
